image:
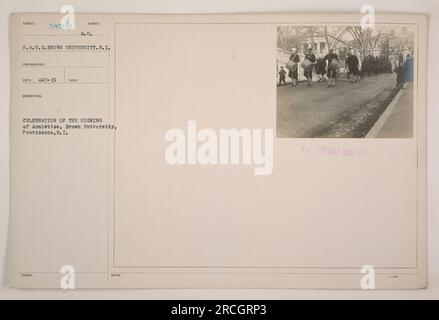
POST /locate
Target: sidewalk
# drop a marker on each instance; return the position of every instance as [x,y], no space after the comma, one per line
[397,120]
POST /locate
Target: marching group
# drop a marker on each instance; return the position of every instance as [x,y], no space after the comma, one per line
[327,68]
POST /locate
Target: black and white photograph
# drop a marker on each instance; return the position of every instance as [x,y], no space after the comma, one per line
[345,81]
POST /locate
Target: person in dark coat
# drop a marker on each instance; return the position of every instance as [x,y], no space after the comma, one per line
[332,71]
[376,65]
[363,68]
[408,66]
[352,63]
[369,61]
[282,75]
[294,70]
[310,56]
[400,74]
[321,68]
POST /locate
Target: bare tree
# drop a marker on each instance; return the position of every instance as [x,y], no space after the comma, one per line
[286,35]
[367,39]
[334,35]
[310,32]
[290,36]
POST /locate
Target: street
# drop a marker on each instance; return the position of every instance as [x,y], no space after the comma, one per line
[349,110]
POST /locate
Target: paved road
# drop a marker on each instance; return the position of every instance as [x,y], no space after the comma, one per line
[347,111]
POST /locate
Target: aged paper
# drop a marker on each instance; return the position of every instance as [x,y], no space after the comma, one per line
[218,151]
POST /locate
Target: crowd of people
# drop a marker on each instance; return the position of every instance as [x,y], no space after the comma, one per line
[327,68]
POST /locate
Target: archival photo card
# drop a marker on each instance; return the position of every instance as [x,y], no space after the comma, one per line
[199,151]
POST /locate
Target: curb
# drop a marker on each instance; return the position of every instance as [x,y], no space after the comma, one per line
[375,130]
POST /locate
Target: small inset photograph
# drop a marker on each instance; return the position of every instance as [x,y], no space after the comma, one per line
[345,81]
